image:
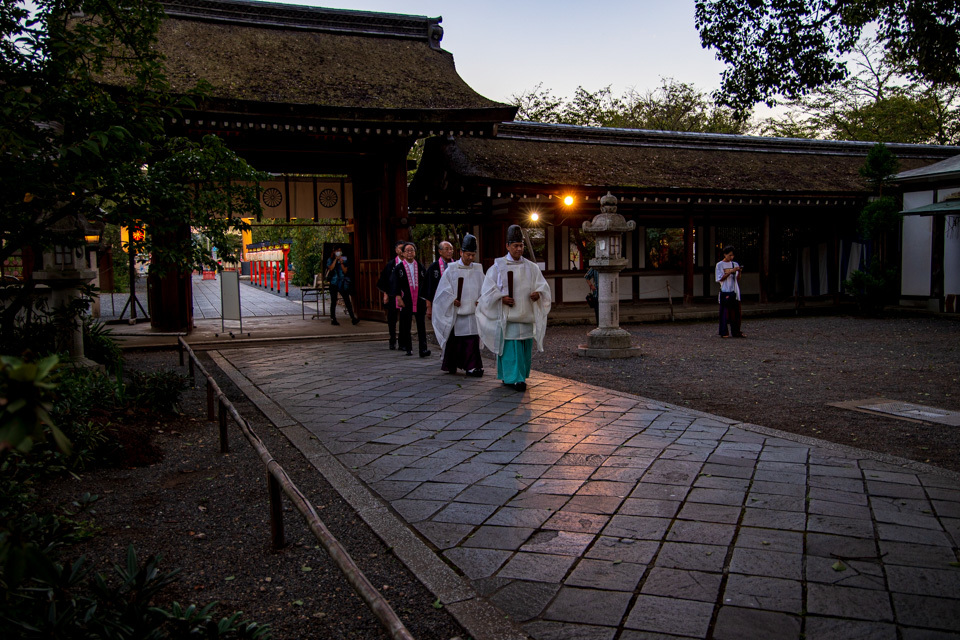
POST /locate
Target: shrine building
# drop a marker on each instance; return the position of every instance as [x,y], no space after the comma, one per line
[329,101]
[788,206]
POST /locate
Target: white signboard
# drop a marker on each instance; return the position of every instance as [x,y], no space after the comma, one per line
[230,297]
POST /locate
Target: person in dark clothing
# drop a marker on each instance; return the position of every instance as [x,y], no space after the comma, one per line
[337,277]
[407,289]
[435,272]
[384,285]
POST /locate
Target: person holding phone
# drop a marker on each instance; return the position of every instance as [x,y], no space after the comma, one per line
[339,282]
[728,275]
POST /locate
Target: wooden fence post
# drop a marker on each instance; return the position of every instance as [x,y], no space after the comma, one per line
[224,442]
[211,416]
[276,511]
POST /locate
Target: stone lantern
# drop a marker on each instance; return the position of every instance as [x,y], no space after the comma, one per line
[608,340]
[65,270]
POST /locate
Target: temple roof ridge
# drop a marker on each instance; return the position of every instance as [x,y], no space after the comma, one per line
[288,16]
[546,132]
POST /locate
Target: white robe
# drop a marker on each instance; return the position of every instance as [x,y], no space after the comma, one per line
[492,313]
[445,316]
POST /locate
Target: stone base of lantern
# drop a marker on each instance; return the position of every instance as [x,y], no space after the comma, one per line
[608,343]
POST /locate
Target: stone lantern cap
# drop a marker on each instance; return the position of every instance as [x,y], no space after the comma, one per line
[608,221]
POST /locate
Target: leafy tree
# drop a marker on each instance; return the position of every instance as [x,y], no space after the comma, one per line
[876,102]
[538,105]
[673,106]
[876,285]
[77,150]
[880,167]
[782,48]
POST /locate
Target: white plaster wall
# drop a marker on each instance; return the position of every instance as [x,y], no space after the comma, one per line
[655,286]
[951,258]
[917,232]
[951,249]
[575,289]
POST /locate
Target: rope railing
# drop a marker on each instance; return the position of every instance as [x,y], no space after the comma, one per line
[278,481]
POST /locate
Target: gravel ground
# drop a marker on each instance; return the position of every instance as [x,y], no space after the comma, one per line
[787,370]
[206,513]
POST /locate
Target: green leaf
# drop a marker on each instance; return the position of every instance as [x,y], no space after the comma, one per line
[229,578]
[838,566]
[437,604]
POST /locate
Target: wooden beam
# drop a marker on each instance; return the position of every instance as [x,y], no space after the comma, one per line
[688,262]
[765,259]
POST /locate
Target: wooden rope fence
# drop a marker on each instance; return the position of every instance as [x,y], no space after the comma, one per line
[279,482]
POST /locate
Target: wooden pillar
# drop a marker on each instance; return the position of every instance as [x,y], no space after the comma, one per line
[765,259]
[561,253]
[688,262]
[170,295]
[638,248]
[833,266]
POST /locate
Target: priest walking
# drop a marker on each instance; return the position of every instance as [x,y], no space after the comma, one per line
[512,311]
[454,311]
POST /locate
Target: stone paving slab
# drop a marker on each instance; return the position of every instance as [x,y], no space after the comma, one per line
[582,512]
[255,301]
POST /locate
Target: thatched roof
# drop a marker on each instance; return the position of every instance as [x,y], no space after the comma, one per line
[531,155]
[347,62]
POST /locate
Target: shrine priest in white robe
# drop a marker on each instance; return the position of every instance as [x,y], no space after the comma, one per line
[454,312]
[512,312]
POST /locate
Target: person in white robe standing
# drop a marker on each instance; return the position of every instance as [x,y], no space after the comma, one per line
[512,311]
[454,312]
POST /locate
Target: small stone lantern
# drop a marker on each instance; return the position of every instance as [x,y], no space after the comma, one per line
[608,340]
[65,270]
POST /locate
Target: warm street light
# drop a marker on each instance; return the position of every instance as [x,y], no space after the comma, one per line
[534,216]
[568,200]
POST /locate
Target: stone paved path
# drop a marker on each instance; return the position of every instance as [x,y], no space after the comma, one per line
[255,301]
[591,514]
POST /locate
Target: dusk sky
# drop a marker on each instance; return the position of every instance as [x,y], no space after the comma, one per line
[505,47]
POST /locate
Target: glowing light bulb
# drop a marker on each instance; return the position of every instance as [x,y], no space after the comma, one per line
[534,216]
[568,200]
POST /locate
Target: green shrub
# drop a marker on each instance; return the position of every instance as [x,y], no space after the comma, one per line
[100,347]
[59,600]
[872,289]
[26,399]
[157,390]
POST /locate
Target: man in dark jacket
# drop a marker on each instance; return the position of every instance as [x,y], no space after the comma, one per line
[435,272]
[407,289]
[383,284]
